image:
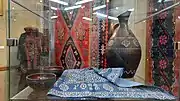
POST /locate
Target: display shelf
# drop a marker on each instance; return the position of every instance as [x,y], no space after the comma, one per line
[29,95]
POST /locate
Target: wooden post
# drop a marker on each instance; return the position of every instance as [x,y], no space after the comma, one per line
[1,7]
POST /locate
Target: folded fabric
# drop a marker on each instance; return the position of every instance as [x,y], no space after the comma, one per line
[111,74]
[114,76]
[85,83]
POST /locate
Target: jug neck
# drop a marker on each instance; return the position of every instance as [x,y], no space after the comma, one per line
[123,24]
[123,19]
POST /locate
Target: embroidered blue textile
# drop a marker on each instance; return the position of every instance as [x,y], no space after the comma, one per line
[85,83]
[114,76]
[111,74]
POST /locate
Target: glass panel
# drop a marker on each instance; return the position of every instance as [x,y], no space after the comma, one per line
[57,35]
[20,20]
[32,32]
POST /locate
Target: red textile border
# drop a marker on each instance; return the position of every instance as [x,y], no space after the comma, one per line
[176,86]
[149,44]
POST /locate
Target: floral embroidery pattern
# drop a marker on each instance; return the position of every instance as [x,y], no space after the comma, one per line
[63,87]
[102,88]
[162,49]
[96,87]
[83,86]
[111,74]
[163,15]
[108,87]
[162,64]
[163,40]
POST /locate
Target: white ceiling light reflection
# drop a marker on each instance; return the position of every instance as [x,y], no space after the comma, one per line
[71,12]
[132,9]
[72,7]
[2,47]
[99,7]
[82,2]
[112,18]
[164,0]
[86,18]
[179,17]
[54,17]
[54,8]
[59,2]
[83,7]
[103,15]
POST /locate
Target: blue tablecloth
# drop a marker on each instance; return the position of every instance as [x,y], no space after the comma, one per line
[106,83]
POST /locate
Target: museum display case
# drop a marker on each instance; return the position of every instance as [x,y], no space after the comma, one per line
[93,50]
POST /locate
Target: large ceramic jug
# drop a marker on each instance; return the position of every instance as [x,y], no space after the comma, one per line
[123,48]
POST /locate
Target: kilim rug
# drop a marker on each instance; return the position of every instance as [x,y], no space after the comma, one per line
[160,43]
[72,37]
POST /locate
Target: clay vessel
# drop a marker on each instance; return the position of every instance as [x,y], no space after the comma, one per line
[41,81]
[123,48]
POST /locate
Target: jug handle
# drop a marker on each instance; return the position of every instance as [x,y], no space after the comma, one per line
[115,26]
[112,29]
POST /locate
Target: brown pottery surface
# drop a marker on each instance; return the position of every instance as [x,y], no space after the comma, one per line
[123,48]
[41,81]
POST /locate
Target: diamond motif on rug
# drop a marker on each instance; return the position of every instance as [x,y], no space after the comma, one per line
[70,57]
